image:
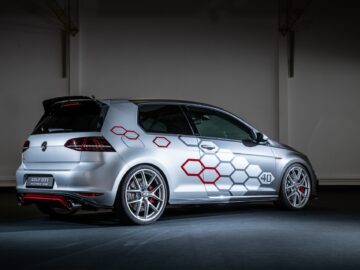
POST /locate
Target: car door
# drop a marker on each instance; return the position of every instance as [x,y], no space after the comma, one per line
[236,166]
[172,146]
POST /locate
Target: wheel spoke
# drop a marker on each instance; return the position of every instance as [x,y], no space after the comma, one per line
[139,207]
[133,190]
[156,189]
[155,197]
[143,178]
[135,201]
[146,208]
[153,207]
[152,179]
[137,182]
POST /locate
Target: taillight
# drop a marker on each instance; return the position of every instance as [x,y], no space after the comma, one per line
[90,144]
[26,146]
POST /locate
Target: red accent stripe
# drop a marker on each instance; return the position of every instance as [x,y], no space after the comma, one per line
[31,197]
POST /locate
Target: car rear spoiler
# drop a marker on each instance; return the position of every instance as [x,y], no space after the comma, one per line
[49,102]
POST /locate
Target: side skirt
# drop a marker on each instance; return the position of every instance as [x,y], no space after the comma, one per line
[229,199]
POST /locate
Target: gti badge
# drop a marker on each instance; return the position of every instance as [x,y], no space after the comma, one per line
[44,146]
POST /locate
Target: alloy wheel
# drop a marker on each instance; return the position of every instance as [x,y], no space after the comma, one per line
[297,187]
[145,194]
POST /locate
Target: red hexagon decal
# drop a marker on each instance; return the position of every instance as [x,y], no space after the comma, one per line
[209,175]
[118,130]
[131,135]
[161,142]
[192,167]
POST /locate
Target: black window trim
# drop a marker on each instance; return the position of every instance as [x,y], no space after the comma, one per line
[164,133]
[196,132]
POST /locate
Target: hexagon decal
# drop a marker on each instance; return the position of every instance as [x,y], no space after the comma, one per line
[118,130]
[253,170]
[161,142]
[224,183]
[266,178]
[239,177]
[209,175]
[252,184]
[131,135]
[238,190]
[225,168]
[240,163]
[189,141]
[192,167]
[225,155]
[210,160]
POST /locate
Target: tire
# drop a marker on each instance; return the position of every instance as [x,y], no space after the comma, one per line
[295,192]
[55,212]
[141,201]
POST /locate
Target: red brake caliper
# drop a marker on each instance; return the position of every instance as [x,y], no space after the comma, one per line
[302,189]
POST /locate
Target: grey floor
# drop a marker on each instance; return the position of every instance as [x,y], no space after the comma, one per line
[256,236]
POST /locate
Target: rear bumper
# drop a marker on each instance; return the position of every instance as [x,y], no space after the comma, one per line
[86,177]
[61,199]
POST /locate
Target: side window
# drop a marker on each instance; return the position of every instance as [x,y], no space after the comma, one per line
[163,119]
[212,123]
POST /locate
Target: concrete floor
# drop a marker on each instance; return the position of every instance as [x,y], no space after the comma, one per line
[256,236]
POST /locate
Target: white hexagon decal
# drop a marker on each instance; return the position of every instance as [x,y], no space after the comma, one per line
[189,141]
[266,178]
[210,160]
[252,184]
[224,183]
[225,168]
[240,163]
[239,177]
[225,155]
[238,190]
[253,170]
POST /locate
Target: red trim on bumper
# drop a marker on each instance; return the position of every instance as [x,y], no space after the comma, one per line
[35,197]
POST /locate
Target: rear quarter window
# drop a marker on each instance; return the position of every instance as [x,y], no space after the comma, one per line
[163,119]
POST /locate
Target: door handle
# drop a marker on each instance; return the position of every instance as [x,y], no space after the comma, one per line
[208,147]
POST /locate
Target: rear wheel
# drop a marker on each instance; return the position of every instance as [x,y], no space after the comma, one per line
[142,196]
[296,188]
[55,212]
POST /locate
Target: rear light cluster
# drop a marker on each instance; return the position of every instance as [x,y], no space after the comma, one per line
[26,146]
[90,144]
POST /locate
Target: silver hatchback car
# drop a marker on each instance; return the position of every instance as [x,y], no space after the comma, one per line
[137,156]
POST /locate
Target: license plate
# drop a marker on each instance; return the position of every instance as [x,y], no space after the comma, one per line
[40,181]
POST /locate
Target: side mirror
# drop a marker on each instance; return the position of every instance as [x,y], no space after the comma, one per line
[261,138]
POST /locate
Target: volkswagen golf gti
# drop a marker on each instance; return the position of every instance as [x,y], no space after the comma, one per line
[138,156]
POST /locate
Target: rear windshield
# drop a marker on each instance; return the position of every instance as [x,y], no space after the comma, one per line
[72,116]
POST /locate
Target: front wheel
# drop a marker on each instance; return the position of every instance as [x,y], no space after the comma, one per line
[295,188]
[142,196]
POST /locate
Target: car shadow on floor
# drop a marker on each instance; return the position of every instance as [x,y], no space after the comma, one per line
[184,214]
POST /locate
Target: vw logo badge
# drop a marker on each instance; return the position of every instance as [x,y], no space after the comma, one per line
[44,146]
